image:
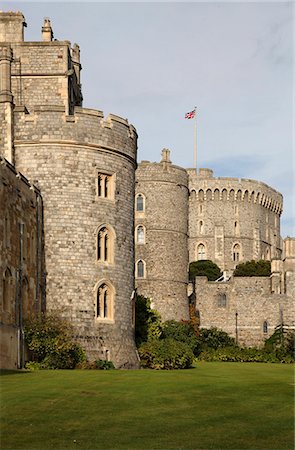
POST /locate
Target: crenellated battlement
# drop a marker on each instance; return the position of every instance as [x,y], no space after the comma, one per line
[234,189]
[49,124]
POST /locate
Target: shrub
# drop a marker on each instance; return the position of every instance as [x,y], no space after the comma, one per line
[205,268]
[215,338]
[253,268]
[165,354]
[49,339]
[237,354]
[182,332]
[102,364]
[281,342]
[147,321]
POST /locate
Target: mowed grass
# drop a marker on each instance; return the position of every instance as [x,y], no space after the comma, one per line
[213,406]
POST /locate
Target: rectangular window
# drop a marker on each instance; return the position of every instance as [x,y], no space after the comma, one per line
[105,186]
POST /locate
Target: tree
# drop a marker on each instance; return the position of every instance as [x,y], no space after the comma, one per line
[253,268]
[147,321]
[205,268]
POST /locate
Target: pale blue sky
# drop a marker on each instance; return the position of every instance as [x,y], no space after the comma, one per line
[153,62]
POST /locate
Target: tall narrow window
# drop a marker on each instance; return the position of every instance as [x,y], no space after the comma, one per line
[105,186]
[140,203]
[201,252]
[104,302]
[99,186]
[236,253]
[201,227]
[265,326]
[221,300]
[140,235]
[7,291]
[105,245]
[140,269]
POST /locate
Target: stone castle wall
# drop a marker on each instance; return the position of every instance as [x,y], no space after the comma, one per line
[84,165]
[164,250]
[224,212]
[65,161]
[249,303]
[21,260]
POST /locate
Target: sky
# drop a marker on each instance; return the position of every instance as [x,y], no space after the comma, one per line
[153,62]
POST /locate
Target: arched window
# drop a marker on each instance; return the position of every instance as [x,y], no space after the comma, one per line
[104,301]
[105,245]
[265,326]
[140,269]
[140,235]
[140,203]
[201,227]
[236,252]
[221,300]
[201,254]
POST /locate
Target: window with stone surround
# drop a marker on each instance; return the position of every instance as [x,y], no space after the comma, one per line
[221,300]
[105,244]
[265,327]
[201,227]
[104,301]
[201,252]
[105,186]
[236,253]
[140,271]
[140,234]
[140,203]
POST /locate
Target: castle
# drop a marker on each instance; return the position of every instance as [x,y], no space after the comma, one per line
[82,227]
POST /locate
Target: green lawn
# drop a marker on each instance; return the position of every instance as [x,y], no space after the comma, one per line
[213,406]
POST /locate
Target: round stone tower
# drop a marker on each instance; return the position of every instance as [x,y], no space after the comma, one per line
[84,165]
[161,212]
[232,220]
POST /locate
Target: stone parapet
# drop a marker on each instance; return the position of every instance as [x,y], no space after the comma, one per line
[49,124]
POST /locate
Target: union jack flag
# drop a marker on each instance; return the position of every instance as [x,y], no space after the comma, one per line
[190,115]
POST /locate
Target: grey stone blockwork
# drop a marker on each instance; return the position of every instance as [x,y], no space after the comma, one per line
[164,252]
[228,212]
[65,148]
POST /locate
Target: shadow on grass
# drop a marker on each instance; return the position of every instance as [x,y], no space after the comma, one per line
[13,372]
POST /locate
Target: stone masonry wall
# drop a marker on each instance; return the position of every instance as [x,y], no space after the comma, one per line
[64,156]
[228,211]
[251,298]
[20,278]
[164,187]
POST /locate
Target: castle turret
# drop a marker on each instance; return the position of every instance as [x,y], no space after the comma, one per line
[161,209]
[232,220]
[84,165]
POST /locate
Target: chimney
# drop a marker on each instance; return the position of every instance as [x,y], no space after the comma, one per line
[47,33]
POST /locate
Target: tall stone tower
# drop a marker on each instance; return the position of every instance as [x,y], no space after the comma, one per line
[161,212]
[84,165]
[232,220]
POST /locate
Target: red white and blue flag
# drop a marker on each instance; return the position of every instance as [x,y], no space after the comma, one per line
[190,115]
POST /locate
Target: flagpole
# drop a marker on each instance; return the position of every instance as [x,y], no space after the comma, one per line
[195,140]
